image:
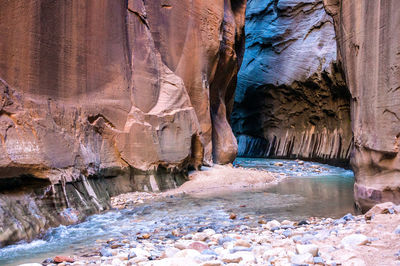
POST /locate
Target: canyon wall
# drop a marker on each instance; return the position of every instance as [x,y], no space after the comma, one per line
[368,34]
[100,97]
[291,99]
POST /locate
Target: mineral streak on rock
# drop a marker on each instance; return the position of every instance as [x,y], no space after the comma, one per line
[368,34]
[100,97]
[291,98]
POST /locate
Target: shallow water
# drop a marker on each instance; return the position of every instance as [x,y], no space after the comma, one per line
[315,190]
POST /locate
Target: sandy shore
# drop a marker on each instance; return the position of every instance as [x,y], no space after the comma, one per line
[210,180]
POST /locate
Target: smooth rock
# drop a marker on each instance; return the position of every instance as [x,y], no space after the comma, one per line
[232,258]
[212,263]
[198,246]
[272,224]
[311,248]
[140,252]
[223,240]
[243,243]
[170,252]
[189,253]
[305,258]
[200,236]
[59,259]
[381,208]
[354,240]
[397,230]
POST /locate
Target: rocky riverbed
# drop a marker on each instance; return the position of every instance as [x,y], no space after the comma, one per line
[371,239]
[229,216]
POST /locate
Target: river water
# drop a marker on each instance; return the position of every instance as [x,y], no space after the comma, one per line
[312,189]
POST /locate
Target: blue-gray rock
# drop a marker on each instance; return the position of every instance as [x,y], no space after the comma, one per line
[209,252]
[131,255]
[348,217]
[319,260]
[397,230]
[340,221]
[222,240]
[105,252]
[237,249]
[275,228]
[287,233]
[303,223]
[287,226]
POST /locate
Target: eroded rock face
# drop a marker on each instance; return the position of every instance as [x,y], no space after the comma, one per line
[131,91]
[291,98]
[369,37]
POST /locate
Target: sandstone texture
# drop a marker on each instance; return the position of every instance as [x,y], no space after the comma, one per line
[100,97]
[368,38]
[291,98]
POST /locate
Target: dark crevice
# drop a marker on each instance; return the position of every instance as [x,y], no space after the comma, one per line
[92,120]
[141,17]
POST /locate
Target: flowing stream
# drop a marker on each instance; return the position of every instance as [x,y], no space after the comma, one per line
[312,190]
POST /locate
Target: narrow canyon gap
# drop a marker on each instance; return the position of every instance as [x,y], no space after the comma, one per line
[314,74]
[291,99]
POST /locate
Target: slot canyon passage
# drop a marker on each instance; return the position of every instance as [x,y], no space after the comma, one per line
[202,132]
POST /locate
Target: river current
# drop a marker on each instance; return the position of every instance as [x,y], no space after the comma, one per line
[312,189]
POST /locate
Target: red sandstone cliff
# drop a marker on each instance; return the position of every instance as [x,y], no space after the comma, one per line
[368,34]
[135,91]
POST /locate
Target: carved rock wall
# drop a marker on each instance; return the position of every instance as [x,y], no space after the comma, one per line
[100,97]
[291,99]
[369,44]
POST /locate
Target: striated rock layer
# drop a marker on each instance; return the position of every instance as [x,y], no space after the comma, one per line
[369,37]
[100,97]
[291,99]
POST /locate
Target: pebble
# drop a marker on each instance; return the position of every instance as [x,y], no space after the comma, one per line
[287,233]
[141,252]
[188,253]
[209,252]
[105,252]
[301,259]
[198,246]
[131,255]
[312,249]
[397,230]
[319,260]
[170,252]
[212,263]
[273,224]
[232,216]
[59,259]
[222,240]
[243,243]
[354,240]
[200,236]
[232,258]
